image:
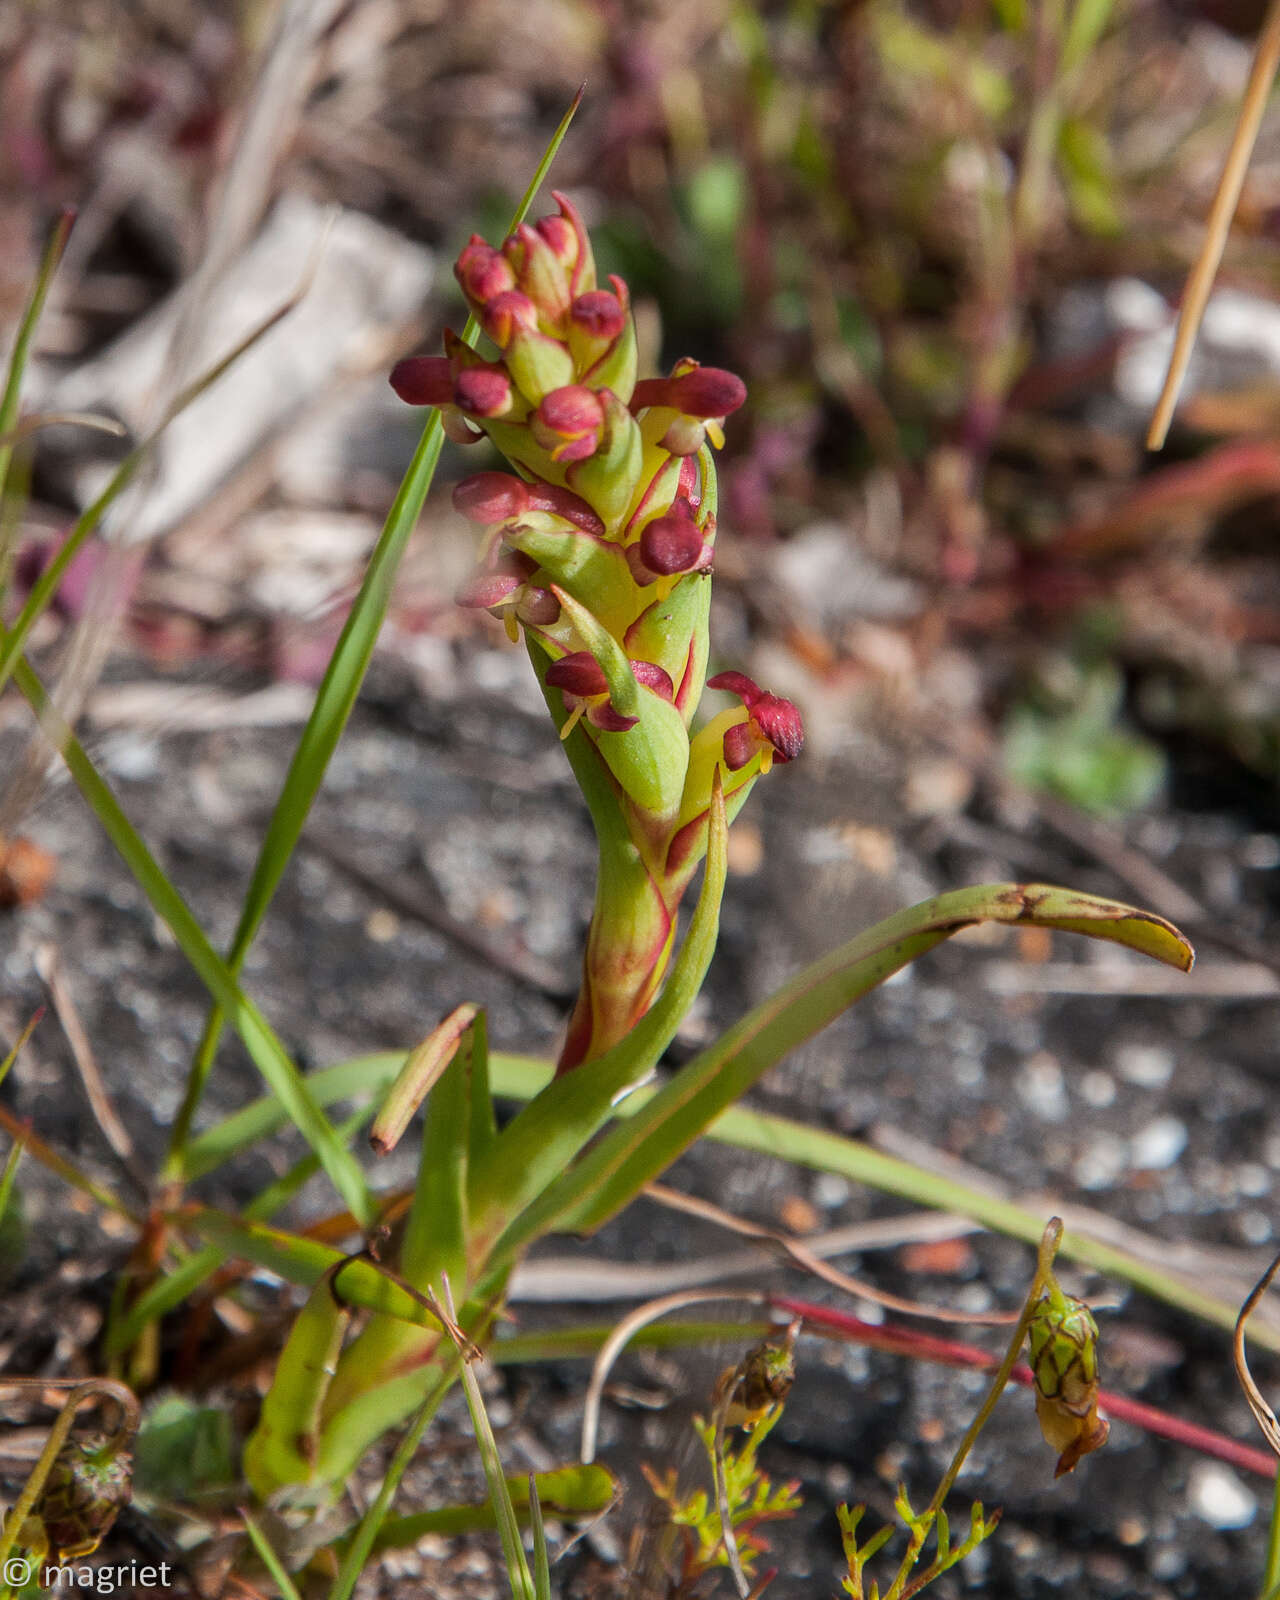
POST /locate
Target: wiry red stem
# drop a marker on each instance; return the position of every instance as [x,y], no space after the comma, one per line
[903,1341]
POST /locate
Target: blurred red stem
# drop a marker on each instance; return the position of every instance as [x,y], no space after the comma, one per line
[904,1341]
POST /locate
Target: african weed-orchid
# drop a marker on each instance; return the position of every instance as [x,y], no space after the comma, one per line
[601,552]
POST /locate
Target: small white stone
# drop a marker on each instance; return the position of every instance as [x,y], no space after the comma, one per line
[1098,1088]
[830,1190]
[1218,1497]
[1042,1088]
[1158,1145]
[1149,1066]
[1104,1162]
[1136,305]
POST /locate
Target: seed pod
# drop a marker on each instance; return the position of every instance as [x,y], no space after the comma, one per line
[1064,1362]
[760,1382]
[90,1481]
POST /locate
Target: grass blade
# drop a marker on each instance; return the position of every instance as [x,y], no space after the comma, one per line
[31,314]
[259,1038]
[577,1491]
[270,1560]
[365,1539]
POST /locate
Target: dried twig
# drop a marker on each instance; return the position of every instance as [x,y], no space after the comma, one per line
[794,1250]
[49,968]
[1263,1415]
[1266,60]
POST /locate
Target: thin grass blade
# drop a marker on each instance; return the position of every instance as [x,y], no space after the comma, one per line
[259,1038]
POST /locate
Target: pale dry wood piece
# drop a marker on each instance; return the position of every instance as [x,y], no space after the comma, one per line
[178,708]
[49,968]
[204,319]
[369,281]
[799,1253]
[589,1280]
[1266,61]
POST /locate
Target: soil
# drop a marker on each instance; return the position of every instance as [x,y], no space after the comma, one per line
[1159,1111]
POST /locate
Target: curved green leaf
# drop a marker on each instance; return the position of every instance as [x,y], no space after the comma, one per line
[644,1145]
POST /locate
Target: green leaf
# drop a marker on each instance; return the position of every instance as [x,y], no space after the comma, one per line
[628,1157]
[624,691]
[176,1286]
[270,1560]
[305,1262]
[577,1491]
[281,1451]
[183,1450]
[518,1575]
[361,1542]
[27,324]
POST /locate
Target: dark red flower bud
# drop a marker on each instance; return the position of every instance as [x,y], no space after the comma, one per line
[488,589]
[483,391]
[564,503]
[491,497]
[539,607]
[651,676]
[598,314]
[697,392]
[507,312]
[568,423]
[735,683]
[579,674]
[672,543]
[423,381]
[560,235]
[483,272]
[577,255]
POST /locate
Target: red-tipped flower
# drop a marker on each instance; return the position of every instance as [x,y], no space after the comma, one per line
[568,423]
[586,690]
[424,380]
[504,589]
[693,390]
[773,727]
[505,314]
[598,315]
[483,392]
[497,497]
